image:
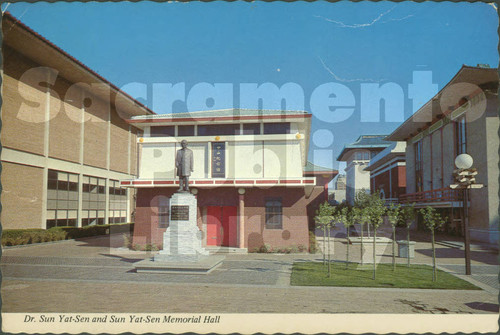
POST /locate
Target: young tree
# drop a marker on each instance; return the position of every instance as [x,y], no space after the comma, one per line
[324,218]
[407,215]
[393,213]
[433,220]
[360,217]
[348,218]
[376,211]
[362,201]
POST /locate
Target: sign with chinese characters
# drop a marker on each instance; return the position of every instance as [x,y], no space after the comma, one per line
[218,160]
[179,213]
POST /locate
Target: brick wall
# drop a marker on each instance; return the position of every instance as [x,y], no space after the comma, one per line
[65,126]
[295,214]
[22,130]
[21,196]
[119,144]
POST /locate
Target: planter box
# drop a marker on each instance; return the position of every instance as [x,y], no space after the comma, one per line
[403,249]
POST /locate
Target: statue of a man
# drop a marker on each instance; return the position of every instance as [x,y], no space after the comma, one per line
[184,165]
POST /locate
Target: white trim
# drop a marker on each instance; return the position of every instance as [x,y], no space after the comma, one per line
[129,154]
[25,158]
[226,138]
[106,199]
[108,144]
[389,165]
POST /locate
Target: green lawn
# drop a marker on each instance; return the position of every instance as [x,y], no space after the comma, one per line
[417,276]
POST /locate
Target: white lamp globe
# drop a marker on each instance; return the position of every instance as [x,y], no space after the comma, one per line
[464,161]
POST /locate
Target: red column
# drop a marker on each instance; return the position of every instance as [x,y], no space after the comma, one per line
[241,228]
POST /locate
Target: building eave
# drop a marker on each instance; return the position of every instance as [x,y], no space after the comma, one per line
[431,111]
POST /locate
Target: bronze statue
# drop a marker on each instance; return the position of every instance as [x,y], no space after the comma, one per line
[184,165]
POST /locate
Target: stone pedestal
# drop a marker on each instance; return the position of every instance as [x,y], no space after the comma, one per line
[182,239]
[404,249]
[182,251]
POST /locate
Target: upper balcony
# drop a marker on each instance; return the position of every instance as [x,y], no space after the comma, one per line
[443,198]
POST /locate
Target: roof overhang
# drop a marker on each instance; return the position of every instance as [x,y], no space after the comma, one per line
[396,150]
[432,111]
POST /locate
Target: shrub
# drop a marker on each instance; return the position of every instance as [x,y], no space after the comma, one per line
[12,237]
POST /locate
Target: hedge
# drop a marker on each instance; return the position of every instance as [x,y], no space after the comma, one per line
[28,236]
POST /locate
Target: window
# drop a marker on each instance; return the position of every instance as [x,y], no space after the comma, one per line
[274,215]
[163,205]
[62,199]
[365,155]
[220,129]
[419,179]
[117,203]
[277,128]
[185,130]
[251,128]
[162,131]
[93,200]
[461,136]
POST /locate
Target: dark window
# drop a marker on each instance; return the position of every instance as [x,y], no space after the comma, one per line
[162,131]
[277,128]
[163,205]
[251,128]
[220,129]
[185,130]
[419,173]
[274,214]
[51,223]
[461,136]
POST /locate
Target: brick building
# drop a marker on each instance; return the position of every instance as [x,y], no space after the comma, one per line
[65,144]
[251,178]
[461,118]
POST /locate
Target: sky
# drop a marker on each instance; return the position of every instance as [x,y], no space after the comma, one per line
[331,59]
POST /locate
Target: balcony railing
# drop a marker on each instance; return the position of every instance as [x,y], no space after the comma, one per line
[439,195]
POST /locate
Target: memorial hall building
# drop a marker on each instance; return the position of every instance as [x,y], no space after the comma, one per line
[251,177]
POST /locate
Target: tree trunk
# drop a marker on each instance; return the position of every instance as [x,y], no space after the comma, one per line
[393,248]
[328,252]
[361,244]
[368,229]
[434,274]
[408,245]
[324,244]
[347,255]
[374,248]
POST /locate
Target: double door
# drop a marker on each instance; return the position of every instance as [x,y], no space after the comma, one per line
[222,226]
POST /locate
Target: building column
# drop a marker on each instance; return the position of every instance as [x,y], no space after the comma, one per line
[241,221]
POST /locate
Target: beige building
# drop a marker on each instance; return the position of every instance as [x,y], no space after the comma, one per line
[461,118]
[65,144]
[253,183]
[357,156]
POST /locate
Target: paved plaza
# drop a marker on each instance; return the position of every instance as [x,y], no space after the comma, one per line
[97,275]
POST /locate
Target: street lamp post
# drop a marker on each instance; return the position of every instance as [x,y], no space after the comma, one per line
[465,179]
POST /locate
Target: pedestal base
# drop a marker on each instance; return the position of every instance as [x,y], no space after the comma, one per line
[179,264]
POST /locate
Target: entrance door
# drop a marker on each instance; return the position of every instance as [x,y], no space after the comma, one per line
[221,226]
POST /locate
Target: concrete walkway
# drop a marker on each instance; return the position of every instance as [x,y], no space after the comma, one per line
[96,275]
